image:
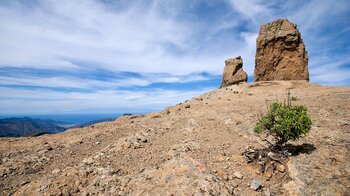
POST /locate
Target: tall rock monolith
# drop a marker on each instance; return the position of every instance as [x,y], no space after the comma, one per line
[280,53]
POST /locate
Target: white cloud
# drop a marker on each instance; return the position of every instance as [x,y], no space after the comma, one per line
[84,83]
[162,41]
[140,37]
[249,51]
[19,101]
[57,33]
[251,9]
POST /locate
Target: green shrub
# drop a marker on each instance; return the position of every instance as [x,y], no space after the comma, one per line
[285,122]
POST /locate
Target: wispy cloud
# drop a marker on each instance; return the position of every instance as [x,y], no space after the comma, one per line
[23,101]
[56,35]
[105,50]
[82,83]
[253,9]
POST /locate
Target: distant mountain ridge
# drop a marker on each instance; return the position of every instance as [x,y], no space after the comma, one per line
[16,127]
[92,122]
[26,126]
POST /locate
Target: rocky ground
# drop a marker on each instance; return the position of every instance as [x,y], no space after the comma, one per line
[190,148]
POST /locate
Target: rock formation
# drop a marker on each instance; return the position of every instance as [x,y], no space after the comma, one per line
[280,53]
[233,72]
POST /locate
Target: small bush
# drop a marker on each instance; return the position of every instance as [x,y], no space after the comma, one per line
[285,122]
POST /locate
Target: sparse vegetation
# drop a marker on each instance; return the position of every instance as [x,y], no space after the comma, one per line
[285,122]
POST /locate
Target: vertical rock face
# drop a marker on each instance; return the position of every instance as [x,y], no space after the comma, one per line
[280,53]
[233,72]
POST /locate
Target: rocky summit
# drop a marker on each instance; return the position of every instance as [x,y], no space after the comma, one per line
[233,72]
[199,147]
[192,150]
[280,53]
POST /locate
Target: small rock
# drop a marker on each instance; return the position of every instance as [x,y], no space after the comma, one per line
[56,171]
[25,182]
[231,191]
[267,192]
[270,154]
[225,177]
[48,147]
[255,185]
[187,106]
[238,174]
[344,124]
[268,174]
[97,143]
[281,168]
[234,185]
[87,161]
[43,187]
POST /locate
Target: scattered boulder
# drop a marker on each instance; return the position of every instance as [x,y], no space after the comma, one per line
[255,185]
[56,171]
[238,174]
[233,72]
[281,168]
[280,53]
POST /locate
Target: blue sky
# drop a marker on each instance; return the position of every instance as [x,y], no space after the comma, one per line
[90,56]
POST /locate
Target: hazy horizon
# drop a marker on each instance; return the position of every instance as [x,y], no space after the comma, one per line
[67,118]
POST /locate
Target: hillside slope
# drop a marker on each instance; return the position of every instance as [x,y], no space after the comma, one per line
[194,147]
